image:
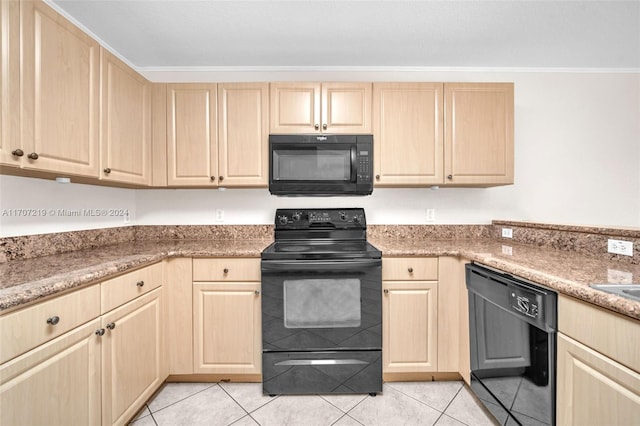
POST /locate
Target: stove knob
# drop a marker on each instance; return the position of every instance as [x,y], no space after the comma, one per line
[296,216]
[343,216]
[356,219]
[283,220]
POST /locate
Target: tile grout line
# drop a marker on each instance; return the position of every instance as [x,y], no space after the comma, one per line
[180,400]
[449,404]
[424,403]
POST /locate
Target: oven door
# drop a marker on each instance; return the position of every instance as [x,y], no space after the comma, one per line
[311,305]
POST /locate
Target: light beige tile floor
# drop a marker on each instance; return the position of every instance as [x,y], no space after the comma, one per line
[243,404]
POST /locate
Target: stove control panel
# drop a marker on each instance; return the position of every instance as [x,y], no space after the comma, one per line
[304,219]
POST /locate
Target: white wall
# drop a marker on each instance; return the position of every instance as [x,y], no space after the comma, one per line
[38,206]
[577,160]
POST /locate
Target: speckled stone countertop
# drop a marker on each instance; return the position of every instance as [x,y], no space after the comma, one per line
[569,273]
[24,281]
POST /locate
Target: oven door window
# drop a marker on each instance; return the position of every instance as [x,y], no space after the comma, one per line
[303,164]
[322,303]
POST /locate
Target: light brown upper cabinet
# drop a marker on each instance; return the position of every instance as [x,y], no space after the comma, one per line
[126,123]
[478,134]
[320,107]
[421,139]
[243,130]
[407,134]
[60,95]
[217,134]
[192,142]
[11,151]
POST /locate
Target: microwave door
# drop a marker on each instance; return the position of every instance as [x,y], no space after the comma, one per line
[293,163]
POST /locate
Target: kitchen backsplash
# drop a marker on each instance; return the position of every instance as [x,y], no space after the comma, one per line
[590,241]
[587,240]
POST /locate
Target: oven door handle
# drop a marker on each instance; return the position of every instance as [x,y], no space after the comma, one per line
[329,265]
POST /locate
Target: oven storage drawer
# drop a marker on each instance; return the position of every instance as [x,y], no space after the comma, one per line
[409,268]
[226,269]
[322,372]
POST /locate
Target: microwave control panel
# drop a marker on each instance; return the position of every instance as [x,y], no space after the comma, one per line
[364,166]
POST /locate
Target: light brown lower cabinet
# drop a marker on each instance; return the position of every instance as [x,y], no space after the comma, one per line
[226,324]
[409,315]
[227,333]
[132,357]
[594,389]
[57,383]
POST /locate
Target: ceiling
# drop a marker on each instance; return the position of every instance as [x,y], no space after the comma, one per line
[157,34]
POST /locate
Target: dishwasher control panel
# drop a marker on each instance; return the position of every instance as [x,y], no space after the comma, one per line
[525,303]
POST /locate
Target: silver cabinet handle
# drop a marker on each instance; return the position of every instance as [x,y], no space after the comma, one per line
[317,126]
[225,270]
[324,126]
[140,283]
[17,152]
[53,320]
[410,270]
[33,156]
[100,332]
[111,325]
[386,291]
[257,292]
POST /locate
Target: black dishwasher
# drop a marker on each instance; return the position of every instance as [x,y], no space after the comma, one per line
[512,330]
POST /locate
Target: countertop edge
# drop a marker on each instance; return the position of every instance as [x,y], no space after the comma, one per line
[27,293]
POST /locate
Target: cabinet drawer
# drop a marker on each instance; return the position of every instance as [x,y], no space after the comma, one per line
[27,328]
[227,269]
[124,288]
[410,268]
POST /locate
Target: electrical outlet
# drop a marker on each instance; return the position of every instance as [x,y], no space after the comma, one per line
[219,215]
[507,250]
[430,215]
[507,233]
[624,248]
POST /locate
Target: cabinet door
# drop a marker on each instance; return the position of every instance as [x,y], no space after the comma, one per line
[295,108]
[407,134]
[593,389]
[60,93]
[346,107]
[57,383]
[10,84]
[478,133]
[192,154]
[226,326]
[132,357]
[126,123]
[410,326]
[243,117]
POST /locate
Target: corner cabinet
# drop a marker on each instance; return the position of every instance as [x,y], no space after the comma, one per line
[478,134]
[126,123]
[227,336]
[60,98]
[409,315]
[598,372]
[309,107]
[217,135]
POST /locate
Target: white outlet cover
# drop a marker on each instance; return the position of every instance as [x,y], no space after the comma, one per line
[507,250]
[219,215]
[507,233]
[624,248]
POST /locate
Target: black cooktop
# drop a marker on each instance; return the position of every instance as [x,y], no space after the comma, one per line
[320,249]
[320,234]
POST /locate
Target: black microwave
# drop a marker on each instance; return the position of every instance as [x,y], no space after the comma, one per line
[320,164]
